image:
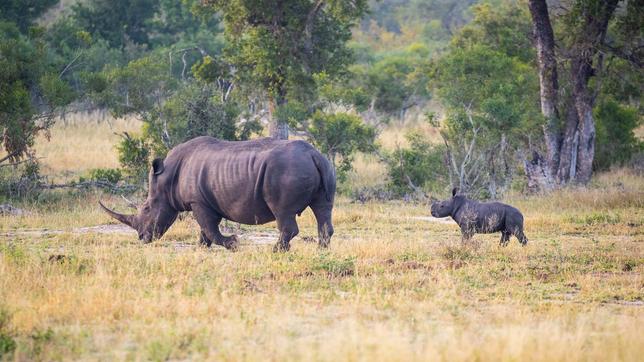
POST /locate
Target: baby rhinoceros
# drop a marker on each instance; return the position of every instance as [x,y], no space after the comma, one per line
[482,217]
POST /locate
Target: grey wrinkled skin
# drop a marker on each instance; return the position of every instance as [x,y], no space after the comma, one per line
[249,182]
[477,217]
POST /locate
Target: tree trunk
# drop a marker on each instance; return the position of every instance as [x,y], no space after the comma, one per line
[581,73]
[277,128]
[568,152]
[535,169]
[592,34]
[549,87]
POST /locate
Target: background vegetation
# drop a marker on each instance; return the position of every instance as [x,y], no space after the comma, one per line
[408,98]
[347,72]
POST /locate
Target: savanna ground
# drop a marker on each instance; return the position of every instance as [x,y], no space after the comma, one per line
[395,284]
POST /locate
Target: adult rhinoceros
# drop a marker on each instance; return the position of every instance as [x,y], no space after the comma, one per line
[250,182]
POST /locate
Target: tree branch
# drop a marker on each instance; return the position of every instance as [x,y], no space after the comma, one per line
[69,65]
[308,27]
[620,53]
[10,156]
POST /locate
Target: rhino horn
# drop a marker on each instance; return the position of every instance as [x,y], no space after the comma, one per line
[125,219]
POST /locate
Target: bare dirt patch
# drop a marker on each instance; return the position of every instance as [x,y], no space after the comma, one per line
[433,219]
[246,238]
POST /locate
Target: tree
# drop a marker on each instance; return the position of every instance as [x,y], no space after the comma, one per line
[197,109]
[118,21]
[616,141]
[571,152]
[34,89]
[203,102]
[398,82]
[490,108]
[24,12]
[549,85]
[339,136]
[280,45]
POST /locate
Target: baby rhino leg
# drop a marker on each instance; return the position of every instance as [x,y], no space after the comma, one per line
[521,236]
[505,237]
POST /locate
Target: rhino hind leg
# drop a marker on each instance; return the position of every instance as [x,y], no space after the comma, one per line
[325,224]
[288,230]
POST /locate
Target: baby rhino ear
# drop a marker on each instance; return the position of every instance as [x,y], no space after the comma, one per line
[454,191]
[157,166]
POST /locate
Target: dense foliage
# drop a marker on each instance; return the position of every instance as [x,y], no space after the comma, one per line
[333,72]
[421,166]
[340,136]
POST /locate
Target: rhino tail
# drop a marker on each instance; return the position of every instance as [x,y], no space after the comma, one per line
[327,174]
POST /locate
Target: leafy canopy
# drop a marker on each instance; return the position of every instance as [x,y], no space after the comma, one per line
[279,45]
[33,88]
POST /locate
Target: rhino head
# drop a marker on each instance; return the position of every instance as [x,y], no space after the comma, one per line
[155,215]
[446,208]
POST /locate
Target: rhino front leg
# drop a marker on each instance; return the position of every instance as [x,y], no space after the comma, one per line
[521,236]
[203,240]
[209,221]
[467,231]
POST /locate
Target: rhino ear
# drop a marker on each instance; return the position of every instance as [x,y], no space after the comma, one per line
[454,191]
[157,166]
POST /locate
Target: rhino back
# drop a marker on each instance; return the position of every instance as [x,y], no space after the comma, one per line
[482,217]
[249,181]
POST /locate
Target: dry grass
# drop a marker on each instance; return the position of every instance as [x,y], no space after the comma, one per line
[394,136]
[80,143]
[394,286]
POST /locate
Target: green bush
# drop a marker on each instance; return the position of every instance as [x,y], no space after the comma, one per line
[616,141]
[197,110]
[7,343]
[334,267]
[339,136]
[421,164]
[111,175]
[134,155]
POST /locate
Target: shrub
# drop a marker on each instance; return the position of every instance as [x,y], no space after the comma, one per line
[421,165]
[339,136]
[616,140]
[334,267]
[7,343]
[111,175]
[134,155]
[20,181]
[195,110]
